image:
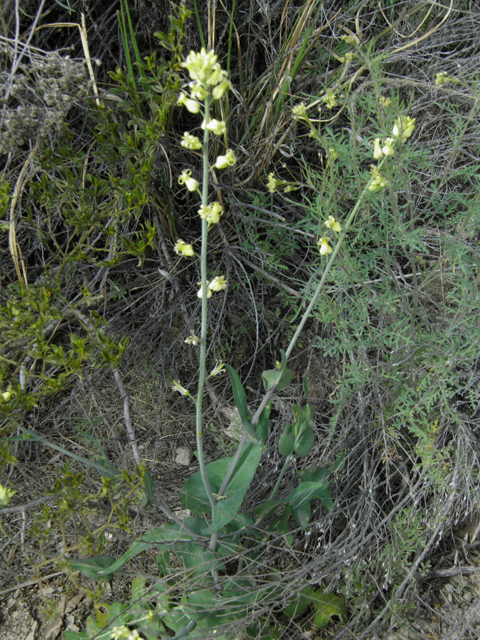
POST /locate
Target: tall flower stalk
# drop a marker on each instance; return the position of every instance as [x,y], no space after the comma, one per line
[208,83]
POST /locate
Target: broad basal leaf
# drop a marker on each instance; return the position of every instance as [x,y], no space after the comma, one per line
[328,605]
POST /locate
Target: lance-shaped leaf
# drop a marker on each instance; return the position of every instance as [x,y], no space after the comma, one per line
[303,428]
[148,480]
[278,378]
[90,567]
[241,404]
[194,496]
[287,440]
[103,566]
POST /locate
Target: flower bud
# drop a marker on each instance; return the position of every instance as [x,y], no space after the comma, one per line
[377,150]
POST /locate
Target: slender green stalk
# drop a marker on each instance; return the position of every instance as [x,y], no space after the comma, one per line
[280,477]
[300,327]
[203,335]
[329,265]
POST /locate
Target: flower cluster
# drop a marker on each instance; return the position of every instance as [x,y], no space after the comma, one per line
[402,130]
[404,127]
[217,284]
[324,242]
[378,181]
[208,82]
[211,212]
[275,183]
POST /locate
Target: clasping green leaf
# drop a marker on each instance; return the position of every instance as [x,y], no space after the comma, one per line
[278,378]
[241,403]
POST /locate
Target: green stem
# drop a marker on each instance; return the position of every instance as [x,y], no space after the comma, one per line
[305,317]
[329,265]
[203,335]
[280,477]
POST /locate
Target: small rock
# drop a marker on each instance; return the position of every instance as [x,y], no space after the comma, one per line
[184,456]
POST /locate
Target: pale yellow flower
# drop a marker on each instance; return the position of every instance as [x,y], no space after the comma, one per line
[272,182]
[300,111]
[190,142]
[186,179]
[6,395]
[330,99]
[211,213]
[220,89]
[377,181]
[441,78]
[182,248]
[200,291]
[227,160]
[192,339]
[404,126]
[181,390]
[197,91]
[377,149]
[219,368]
[351,39]
[388,149]
[215,126]
[188,103]
[333,224]
[218,283]
[325,248]
[333,154]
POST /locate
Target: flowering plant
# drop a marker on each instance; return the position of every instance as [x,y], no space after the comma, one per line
[214,530]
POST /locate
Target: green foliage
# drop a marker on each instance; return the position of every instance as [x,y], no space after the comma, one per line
[28,319]
[401,296]
[120,620]
[210,570]
[325,604]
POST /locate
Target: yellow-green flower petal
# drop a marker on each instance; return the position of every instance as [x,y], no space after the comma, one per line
[218,283]
[388,149]
[182,248]
[186,179]
[333,224]
[325,248]
[377,149]
[190,142]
